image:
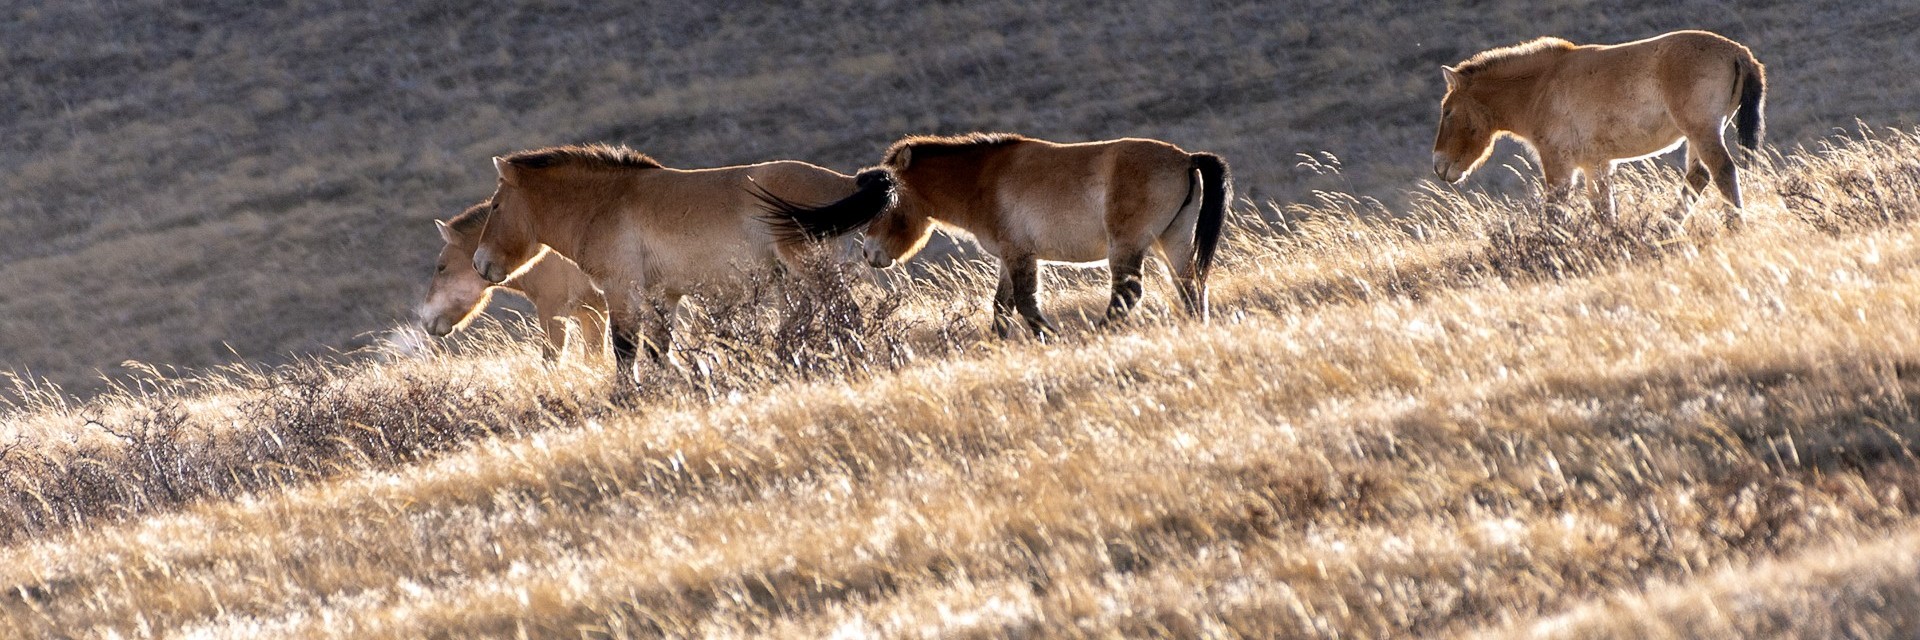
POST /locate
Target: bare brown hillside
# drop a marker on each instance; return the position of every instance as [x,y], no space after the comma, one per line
[201,182]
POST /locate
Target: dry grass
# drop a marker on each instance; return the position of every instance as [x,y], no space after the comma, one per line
[220,183]
[1459,419]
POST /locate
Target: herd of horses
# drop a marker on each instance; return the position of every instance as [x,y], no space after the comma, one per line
[609,240]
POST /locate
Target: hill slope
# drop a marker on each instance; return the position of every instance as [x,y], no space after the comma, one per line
[1447,419]
[197,183]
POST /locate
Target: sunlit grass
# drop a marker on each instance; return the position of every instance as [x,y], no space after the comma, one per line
[1456,418]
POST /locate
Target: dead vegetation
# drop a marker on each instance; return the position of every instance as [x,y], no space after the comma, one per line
[1464,417]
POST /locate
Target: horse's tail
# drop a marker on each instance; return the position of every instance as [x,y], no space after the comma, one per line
[1216,188]
[874,193]
[1752,80]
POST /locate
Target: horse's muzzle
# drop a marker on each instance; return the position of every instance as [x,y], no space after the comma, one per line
[489,269]
[435,324]
[1445,170]
[877,256]
[438,327]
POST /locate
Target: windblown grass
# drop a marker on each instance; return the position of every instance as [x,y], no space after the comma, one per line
[1465,418]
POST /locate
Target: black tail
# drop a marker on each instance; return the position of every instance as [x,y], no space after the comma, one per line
[1750,122]
[1217,188]
[874,193]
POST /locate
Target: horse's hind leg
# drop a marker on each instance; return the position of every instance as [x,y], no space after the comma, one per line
[1721,164]
[1718,161]
[1692,185]
[1176,248]
[1125,264]
[1697,176]
[1191,289]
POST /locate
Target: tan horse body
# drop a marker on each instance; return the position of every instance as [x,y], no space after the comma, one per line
[646,234]
[561,293]
[1584,109]
[1028,201]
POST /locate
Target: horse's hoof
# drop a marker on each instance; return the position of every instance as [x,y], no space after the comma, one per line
[1114,322]
[1045,332]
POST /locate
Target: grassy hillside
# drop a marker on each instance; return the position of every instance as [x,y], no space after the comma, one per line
[189,184]
[1452,418]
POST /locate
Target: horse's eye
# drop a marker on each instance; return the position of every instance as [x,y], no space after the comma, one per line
[440,268]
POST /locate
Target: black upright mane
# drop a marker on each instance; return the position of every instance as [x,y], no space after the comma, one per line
[919,147]
[593,155]
[1490,58]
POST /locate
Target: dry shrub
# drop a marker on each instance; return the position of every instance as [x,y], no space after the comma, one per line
[1846,187]
[827,321]
[307,423]
[1545,244]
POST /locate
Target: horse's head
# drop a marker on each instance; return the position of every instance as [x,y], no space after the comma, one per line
[897,234]
[457,292]
[1466,131]
[507,242]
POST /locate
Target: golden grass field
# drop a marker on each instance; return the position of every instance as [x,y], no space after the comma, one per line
[1453,419]
[1419,410]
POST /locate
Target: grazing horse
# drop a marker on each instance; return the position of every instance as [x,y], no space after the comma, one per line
[557,287]
[646,234]
[1585,108]
[1028,200]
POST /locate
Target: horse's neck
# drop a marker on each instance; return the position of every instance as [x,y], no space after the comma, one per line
[567,216]
[1513,97]
[948,197]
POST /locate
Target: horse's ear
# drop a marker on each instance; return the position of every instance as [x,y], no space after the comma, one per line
[446,232]
[504,168]
[901,159]
[1454,79]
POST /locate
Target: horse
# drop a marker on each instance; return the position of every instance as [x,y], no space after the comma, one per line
[1587,108]
[555,285]
[1027,200]
[647,234]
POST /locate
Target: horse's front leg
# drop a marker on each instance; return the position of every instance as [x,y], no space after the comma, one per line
[635,327]
[554,329]
[1557,176]
[1004,312]
[1020,289]
[1600,190]
[658,322]
[593,331]
[625,332]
